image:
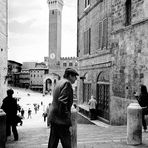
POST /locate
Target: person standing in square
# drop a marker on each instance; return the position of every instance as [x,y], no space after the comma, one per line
[92,108]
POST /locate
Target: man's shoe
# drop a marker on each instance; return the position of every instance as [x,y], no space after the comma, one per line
[16,139]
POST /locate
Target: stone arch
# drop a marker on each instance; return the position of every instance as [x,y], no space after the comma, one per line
[49,82]
[103,76]
[48,85]
[86,88]
[103,95]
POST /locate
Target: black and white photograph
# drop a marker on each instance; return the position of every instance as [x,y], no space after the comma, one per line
[73,73]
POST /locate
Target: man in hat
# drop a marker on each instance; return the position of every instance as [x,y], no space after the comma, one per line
[60,113]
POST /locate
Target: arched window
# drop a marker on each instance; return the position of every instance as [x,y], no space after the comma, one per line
[103,95]
[103,77]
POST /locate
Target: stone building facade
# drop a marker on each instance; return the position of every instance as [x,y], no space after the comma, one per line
[14,69]
[112,55]
[57,72]
[94,55]
[32,75]
[24,78]
[36,78]
[129,47]
[3,47]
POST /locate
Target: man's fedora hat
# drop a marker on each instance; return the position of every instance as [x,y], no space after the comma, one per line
[71,71]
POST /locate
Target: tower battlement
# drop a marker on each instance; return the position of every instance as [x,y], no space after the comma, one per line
[55,4]
[68,58]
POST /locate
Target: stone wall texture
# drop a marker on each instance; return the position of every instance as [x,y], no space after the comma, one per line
[3,48]
[129,47]
[127,51]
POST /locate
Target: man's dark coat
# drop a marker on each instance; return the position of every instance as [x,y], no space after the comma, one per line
[10,108]
[60,112]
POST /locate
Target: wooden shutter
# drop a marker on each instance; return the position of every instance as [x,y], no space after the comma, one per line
[100,35]
[87,41]
[105,33]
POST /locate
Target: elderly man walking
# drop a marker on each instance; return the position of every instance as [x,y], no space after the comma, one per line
[60,113]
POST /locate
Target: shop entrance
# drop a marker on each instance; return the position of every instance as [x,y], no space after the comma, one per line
[103,95]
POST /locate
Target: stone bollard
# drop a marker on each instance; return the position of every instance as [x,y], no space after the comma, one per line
[134,124]
[74,128]
[2,129]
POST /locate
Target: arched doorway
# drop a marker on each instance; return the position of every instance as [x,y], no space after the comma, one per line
[103,95]
[86,89]
[48,85]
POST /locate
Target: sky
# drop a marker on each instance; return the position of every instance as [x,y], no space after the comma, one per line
[28,22]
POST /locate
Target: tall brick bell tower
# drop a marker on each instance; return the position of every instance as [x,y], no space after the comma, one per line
[55,21]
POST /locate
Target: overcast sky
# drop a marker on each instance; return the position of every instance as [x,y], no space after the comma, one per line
[28,30]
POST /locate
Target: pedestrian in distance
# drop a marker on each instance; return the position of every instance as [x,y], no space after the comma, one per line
[60,113]
[9,106]
[35,109]
[48,109]
[29,113]
[41,103]
[22,112]
[92,108]
[143,102]
[44,115]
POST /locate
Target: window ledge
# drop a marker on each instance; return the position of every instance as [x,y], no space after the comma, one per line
[87,8]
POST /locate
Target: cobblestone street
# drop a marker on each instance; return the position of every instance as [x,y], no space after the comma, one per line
[34,134]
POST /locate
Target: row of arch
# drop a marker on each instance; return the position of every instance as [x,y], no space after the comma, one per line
[102,92]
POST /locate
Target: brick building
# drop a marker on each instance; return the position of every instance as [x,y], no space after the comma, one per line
[32,75]
[24,78]
[3,47]
[36,78]
[112,54]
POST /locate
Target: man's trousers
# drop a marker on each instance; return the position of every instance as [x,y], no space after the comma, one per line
[59,132]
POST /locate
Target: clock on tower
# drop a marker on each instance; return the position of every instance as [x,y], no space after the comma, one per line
[52,56]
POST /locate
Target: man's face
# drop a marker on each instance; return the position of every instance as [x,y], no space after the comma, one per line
[72,78]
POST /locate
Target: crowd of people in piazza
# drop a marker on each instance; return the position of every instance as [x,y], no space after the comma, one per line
[58,113]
